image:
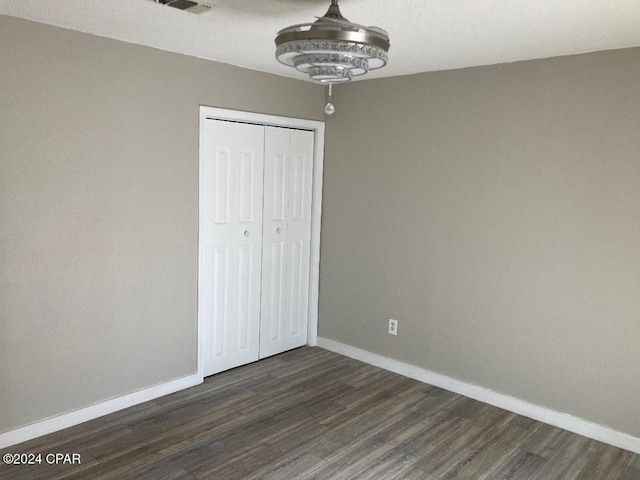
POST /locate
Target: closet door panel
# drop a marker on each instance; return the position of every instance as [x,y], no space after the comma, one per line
[288,175]
[234,156]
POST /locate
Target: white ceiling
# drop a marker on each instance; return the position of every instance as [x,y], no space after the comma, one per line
[426,35]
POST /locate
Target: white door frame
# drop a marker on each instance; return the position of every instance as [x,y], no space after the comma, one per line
[317,127]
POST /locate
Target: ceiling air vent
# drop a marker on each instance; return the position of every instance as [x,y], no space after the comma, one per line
[186,5]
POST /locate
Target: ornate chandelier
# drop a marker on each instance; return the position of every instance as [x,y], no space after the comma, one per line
[332,49]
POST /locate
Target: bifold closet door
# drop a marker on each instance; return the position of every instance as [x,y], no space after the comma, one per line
[234,153]
[288,173]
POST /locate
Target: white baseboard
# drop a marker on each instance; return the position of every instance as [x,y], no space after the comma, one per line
[76,417]
[521,407]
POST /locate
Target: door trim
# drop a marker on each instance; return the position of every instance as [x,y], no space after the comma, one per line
[317,127]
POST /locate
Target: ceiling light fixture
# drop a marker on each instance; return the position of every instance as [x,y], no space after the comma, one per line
[332,49]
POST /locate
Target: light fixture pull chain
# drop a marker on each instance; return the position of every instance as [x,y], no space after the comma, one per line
[329,109]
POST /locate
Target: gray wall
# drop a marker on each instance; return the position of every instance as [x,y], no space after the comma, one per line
[99,211]
[495,212]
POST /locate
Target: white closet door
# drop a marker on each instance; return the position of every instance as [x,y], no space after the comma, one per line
[288,172]
[233,183]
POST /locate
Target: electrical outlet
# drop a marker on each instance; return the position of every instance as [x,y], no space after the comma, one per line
[393,327]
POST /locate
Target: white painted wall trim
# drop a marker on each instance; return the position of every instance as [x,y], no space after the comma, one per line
[316,221]
[316,209]
[512,404]
[82,415]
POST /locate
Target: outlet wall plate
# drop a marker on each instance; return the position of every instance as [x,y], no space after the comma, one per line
[393,327]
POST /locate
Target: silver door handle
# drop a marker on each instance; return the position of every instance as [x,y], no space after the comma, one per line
[278,230]
[247,233]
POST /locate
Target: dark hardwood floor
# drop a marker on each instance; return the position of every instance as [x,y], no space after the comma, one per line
[313,414]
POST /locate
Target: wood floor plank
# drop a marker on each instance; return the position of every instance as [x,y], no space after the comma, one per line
[520,465]
[351,460]
[452,450]
[364,375]
[357,415]
[488,455]
[363,424]
[610,464]
[569,460]
[313,414]
[292,467]
[630,473]
[546,441]
[414,474]
[393,463]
